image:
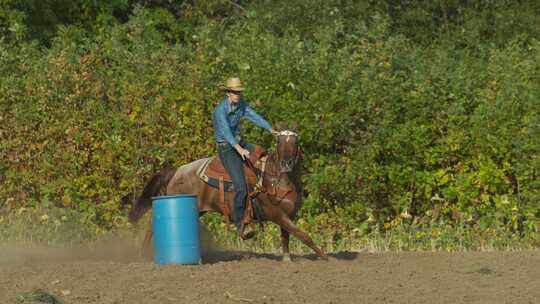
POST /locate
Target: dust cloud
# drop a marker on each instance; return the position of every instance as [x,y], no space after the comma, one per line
[120,249]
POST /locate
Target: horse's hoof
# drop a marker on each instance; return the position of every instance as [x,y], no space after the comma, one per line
[287,258]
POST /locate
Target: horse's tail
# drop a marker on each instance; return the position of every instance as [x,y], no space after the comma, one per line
[152,188]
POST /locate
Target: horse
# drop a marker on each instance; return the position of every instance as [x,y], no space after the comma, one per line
[279,194]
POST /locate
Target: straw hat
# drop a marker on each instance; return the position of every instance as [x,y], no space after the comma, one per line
[232,84]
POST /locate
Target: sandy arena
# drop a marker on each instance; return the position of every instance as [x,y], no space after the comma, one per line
[120,276]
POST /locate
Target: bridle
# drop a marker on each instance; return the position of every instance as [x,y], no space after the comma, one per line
[284,166]
[287,165]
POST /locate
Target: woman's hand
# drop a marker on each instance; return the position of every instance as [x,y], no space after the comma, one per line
[243,152]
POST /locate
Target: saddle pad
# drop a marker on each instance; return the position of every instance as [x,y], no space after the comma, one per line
[201,173]
[216,170]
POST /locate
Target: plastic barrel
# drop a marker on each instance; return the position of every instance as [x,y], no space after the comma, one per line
[175,222]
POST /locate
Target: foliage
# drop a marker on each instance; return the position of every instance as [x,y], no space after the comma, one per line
[412,115]
[38,296]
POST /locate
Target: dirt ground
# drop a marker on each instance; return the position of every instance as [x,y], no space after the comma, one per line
[118,275]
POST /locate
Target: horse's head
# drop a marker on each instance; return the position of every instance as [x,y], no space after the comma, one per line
[287,150]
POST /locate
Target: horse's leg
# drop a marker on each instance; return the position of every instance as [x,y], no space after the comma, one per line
[286,223]
[285,245]
[147,249]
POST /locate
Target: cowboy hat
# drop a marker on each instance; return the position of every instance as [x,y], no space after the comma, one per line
[232,84]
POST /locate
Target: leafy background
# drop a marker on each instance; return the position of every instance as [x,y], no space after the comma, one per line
[420,120]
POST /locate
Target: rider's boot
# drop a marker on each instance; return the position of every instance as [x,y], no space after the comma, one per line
[246,232]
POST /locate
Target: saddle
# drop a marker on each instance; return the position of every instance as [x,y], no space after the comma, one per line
[216,170]
[214,174]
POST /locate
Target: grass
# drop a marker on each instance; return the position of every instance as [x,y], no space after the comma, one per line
[431,237]
[38,296]
[485,270]
[61,228]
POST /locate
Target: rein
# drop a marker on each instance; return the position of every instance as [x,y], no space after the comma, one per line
[261,173]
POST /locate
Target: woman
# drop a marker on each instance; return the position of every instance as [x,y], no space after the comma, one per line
[232,149]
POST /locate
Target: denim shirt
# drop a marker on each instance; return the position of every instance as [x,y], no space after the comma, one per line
[226,120]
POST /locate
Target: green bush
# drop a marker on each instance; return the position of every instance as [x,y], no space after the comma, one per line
[408,114]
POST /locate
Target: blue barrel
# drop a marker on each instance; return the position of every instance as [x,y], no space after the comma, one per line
[175,221]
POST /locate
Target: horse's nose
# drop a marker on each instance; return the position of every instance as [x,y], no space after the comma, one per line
[290,164]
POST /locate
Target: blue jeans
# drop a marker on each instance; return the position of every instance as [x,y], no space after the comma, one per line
[233,163]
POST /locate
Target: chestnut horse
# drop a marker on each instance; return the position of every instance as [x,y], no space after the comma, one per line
[279,197]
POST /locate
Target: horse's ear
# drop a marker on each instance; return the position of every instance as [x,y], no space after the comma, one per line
[294,126]
[280,126]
